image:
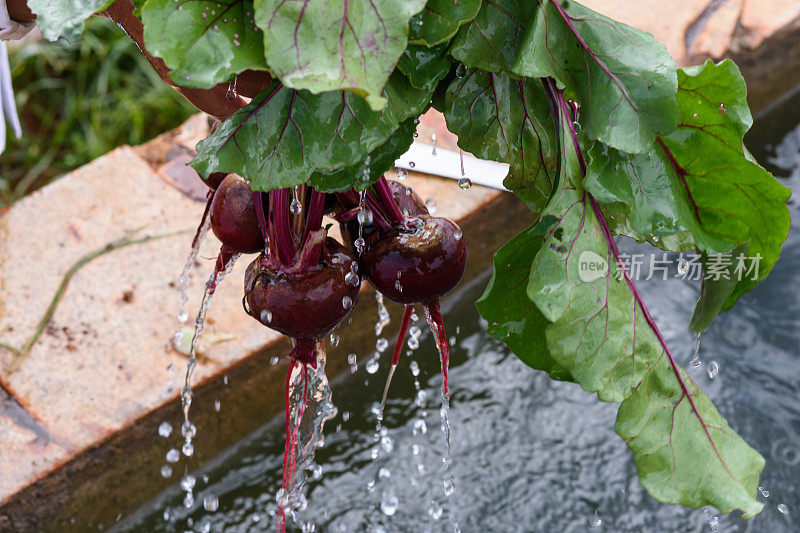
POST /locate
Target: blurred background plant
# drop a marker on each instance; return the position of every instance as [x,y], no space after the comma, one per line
[80,101]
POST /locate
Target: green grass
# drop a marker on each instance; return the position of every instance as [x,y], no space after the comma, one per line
[76,103]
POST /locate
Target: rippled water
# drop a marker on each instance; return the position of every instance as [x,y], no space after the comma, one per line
[530,454]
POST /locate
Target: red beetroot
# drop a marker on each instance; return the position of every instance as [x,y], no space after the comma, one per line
[305,306]
[233,216]
[419,266]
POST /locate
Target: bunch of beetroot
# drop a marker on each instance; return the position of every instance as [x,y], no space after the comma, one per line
[304,283]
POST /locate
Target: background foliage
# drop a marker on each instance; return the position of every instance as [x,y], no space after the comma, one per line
[80,101]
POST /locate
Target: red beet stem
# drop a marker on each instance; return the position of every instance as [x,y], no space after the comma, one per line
[391,211]
[203,219]
[437,325]
[379,217]
[279,218]
[349,198]
[401,335]
[224,256]
[258,200]
[316,209]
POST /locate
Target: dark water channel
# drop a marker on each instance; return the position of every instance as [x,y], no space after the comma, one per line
[530,454]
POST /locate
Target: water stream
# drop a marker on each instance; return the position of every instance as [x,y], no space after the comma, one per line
[529,453]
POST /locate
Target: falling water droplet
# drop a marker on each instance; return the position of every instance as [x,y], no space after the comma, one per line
[347,302]
[430,203]
[764,492]
[783,508]
[210,503]
[389,503]
[384,474]
[576,126]
[166,471]
[187,449]
[372,364]
[387,444]
[188,482]
[420,427]
[359,244]
[381,345]
[296,207]
[173,456]
[351,278]
[465,183]
[414,368]
[351,359]
[412,343]
[365,217]
[435,510]
[461,70]
[712,369]
[457,234]
[188,429]
[217,405]
[165,429]
[449,486]
[401,174]
[412,164]
[183,316]
[595,521]
[188,500]
[273,360]
[266,316]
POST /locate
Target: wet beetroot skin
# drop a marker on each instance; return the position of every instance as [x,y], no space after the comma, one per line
[407,200]
[429,261]
[233,216]
[305,306]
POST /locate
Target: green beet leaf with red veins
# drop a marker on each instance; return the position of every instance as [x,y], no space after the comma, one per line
[603,134]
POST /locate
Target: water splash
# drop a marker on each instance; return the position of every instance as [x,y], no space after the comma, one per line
[695,362]
[188,429]
[435,321]
[383,314]
[186,273]
[308,407]
[359,242]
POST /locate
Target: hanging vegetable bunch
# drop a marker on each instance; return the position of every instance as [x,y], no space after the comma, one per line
[603,134]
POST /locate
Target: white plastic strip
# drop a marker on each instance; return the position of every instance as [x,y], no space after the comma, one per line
[420,158]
